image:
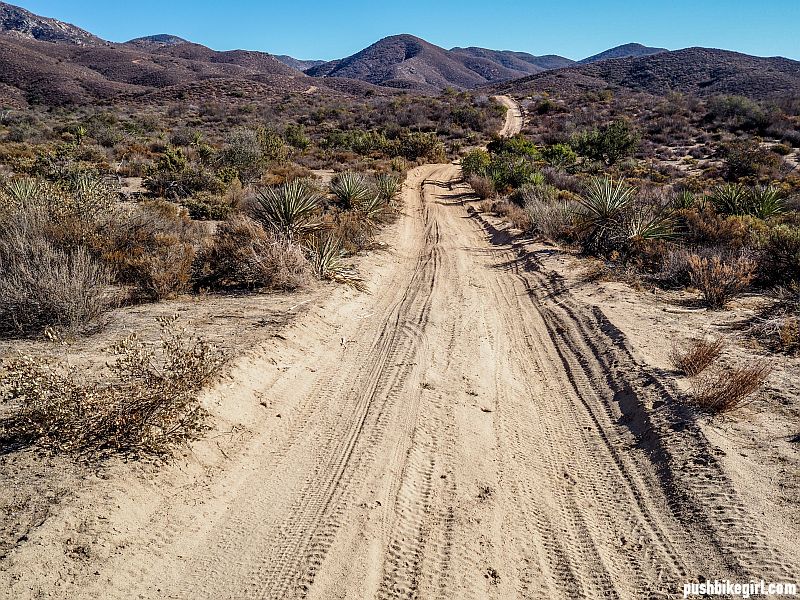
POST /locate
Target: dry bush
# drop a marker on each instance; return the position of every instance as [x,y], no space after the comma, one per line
[352,228]
[728,390]
[552,219]
[719,280]
[517,216]
[150,247]
[693,357]
[243,254]
[43,285]
[148,403]
[483,186]
[778,327]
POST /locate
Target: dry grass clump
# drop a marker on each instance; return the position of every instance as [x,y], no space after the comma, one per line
[719,280]
[43,285]
[727,390]
[693,357]
[243,254]
[148,403]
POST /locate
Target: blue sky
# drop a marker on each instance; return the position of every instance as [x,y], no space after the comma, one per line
[327,30]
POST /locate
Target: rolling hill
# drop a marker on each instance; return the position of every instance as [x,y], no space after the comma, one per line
[696,71]
[624,51]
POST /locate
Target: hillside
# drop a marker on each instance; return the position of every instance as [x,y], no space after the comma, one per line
[697,71]
[521,62]
[24,24]
[297,63]
[624,51]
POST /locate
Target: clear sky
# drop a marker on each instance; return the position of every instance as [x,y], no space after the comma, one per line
[334,29]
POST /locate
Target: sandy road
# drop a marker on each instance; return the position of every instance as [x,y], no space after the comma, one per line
[513,122]
[468,430]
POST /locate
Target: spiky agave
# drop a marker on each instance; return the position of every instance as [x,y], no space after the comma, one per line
[326,257]
[765,201]
[730,199]
[351,189]
[290,209]
[601,212]
[387,186]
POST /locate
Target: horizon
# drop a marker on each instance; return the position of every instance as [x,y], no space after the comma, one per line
[769,32]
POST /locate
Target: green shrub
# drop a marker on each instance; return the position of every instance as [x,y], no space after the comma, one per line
[780,255]
[560,156]
[608,144]
[475,163]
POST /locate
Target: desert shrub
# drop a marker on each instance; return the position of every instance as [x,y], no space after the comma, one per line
[718,278]
[296,136]
[353,229]
[147,404]
[416,145]
[243,152]
[206,207]
[559,156]
[738,112]
[728,390]
[516,216]
[552,219]
[608,144]
[693,357]
[779,260]
[242,254]
[290,210]
[475,163]
[150,247]
[273,147]
[746,158]
[778,327]
[517,145]
[43,285]
[483,186]
[509,172]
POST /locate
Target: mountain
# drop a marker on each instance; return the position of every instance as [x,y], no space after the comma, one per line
[405,61]
[156,41]
[624,51]
[18,22]
[695,71]
[521,62]
[296,63]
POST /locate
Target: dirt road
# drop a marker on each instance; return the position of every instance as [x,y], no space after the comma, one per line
[513,123]
[467,430]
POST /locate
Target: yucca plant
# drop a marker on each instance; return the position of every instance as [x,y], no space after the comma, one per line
[373,207]
[730,199]
[24,190]
[601,213]
[326,257]
[650,223]
[387,186]
[351,189]
[684,199]
[290,209]
[765,201]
